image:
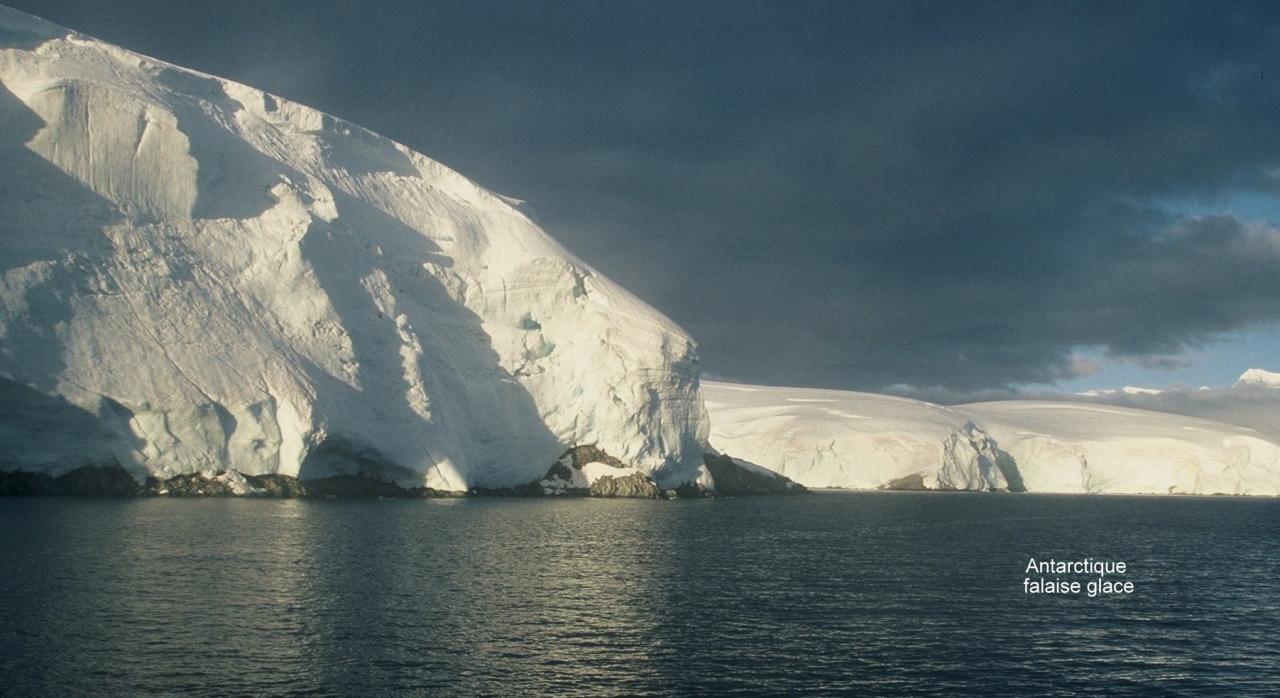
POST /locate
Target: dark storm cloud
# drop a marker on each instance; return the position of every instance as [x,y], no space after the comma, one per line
[848,195]
[1158,362]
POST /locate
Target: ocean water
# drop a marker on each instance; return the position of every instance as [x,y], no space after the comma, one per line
[867,593]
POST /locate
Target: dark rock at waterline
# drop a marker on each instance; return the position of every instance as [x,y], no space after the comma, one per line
[226,483]
[98,481]
[114,481]
[528,489]
[191,485]
[354,487]
[689,490]
[734,479]
[357,487]
[22,483]
[281,486]
[907,483]
[564,478]
[88,480]
[633,486]
[85,481]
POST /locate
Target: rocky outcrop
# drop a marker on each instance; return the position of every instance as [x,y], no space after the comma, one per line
[633,486]
[590,471]
[86,481]
[907,483]
[222,484]
[98,481]
[741,478]
[24,483]
[580,456]
[279,486]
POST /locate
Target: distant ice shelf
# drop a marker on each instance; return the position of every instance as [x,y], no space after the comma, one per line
[831,438]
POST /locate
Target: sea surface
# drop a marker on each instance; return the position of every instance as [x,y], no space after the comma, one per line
[833,593]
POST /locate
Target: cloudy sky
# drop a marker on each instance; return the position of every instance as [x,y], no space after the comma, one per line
[961,195]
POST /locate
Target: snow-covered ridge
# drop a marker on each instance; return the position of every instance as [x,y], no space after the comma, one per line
[830,438]
[1258,378]
[1253,402]
[200,276]
[1126,390]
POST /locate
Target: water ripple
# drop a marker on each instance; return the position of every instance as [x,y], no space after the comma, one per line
[892,594]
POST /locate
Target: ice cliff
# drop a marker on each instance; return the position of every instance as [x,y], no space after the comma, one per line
[831,438]
[835,438]
[1075,447]
[200,276]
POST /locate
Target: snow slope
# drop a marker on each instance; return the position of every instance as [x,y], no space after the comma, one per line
[830,438]
[198,275]
[1075,447]
[834,438]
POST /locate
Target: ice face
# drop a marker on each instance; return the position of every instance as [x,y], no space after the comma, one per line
[217,278]
[831,438]
[834,438]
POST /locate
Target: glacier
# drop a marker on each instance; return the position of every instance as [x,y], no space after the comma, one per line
[200,277]
[1071,447]
[844,439]
[219,290]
